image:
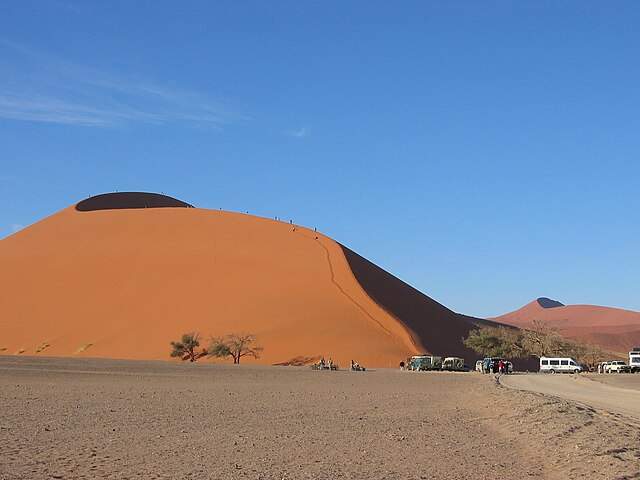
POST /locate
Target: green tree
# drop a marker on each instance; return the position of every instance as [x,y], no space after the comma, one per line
[218,348]
[496,342]
[186,347]
[541,340]
[592,355]
[235,346]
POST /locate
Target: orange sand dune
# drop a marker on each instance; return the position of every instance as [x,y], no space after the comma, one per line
[613,329]
[121,275]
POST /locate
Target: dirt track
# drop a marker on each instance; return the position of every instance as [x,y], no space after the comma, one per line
[630,382]
[595,394]
[72,418]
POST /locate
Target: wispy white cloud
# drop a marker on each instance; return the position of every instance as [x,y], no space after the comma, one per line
[44,88]
[299,133]
[52,110]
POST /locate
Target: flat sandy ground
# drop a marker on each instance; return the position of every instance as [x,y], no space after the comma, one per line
[630,381]
[612,395]
[63,418]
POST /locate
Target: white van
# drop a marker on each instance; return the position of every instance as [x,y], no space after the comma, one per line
[559,365]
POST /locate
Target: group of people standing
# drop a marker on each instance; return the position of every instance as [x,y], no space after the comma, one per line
[495,365]
[323,364]
[356,367]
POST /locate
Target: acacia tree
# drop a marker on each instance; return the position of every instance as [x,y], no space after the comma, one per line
[541,340]
[186,347]
[218,348]
[592,355]
[235,346]
[496,342]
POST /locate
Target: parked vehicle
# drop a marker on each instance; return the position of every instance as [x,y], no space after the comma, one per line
[617,366]
[559,365]
[634,360]
[454,364]
[419,363]
[479,366]
[490,365]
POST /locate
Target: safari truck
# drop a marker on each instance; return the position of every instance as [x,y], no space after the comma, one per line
[634,360]
[420,363]
[454,364]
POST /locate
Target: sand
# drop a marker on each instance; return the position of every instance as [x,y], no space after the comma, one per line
[612,397]
[103,280]
[627,381]
[85,418]
[613,329]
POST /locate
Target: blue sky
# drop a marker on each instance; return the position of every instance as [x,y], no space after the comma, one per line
[484,152]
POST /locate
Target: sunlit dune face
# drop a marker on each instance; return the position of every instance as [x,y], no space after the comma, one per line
[122,275]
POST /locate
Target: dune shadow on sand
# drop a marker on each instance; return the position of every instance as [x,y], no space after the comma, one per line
[128,200]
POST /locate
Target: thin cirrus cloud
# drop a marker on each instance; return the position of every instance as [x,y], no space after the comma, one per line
[38,87]
[299,133]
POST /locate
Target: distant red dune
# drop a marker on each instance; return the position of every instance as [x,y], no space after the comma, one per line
[610,328]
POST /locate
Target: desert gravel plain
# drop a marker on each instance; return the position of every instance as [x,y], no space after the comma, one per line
[85,418]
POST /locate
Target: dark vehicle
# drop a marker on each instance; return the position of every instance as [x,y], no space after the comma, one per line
[490,365]
[421,363]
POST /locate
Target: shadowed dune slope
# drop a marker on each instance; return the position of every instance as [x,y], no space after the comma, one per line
[610,328]
[545,302]
[432,325]
[118,200]
[109,278]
